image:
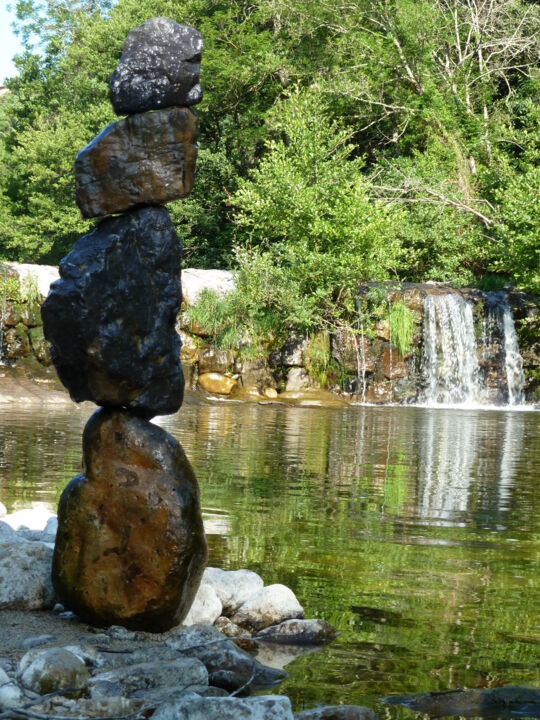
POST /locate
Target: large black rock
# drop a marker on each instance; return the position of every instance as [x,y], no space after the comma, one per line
[159,68]
[110,318]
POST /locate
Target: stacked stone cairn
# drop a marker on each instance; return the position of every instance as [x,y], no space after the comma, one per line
[130,548]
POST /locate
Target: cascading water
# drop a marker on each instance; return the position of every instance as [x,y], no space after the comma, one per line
[361,351]
[449,353]
[455,368]
[501,331]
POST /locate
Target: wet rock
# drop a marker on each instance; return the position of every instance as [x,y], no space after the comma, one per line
[159,68]
[10,693]
[16,342]
[37,640]
[226,680]
[110,318]
[351,351]
[299,632]
[270,606]
[206,607]
[52,670]
[194,281]
[113,707]
[218,653]
[189,352]
[233,587]
[8,535]
[337,712]
[393,365]
[25,576]
[510,701]
[217,383]
[157,696]
[191,707]
[297,379]
[215,361]
[178,674]
[145,159]
[40,346]
[130,547]
[230,629]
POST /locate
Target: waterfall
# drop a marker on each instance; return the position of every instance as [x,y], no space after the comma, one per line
[362,357]
[449,353]
[513,361]
[3,317]
[455,368]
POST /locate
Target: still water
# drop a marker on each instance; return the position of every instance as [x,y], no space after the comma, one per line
[415,531]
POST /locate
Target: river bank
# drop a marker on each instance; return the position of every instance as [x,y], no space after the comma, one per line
[425,343]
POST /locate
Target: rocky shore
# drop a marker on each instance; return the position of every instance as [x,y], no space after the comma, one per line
[235,641]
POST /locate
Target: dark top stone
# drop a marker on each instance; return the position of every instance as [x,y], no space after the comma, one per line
[159,68]
[110,318]
[146,159]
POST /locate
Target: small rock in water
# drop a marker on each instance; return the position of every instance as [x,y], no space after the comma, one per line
[25,576]
[299,632]
[146,159]
[230,629]
[206,607]
[233,587]
[111,317]
[130,548]
[337,712]
[270,606]
[37,640]
[192,707]
[218,653]
[159,67]
[55,669]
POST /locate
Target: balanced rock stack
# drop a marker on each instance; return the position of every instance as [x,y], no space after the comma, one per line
[130,548]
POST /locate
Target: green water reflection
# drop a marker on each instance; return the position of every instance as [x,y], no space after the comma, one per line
[416,532]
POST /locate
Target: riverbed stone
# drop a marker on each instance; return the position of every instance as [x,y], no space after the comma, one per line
[25,576]
[110,318]
[270,606]
[299,632]
[159,68]
[206,607]
[55,669]
[233,587]
[192,707]
[130,548]
[179,673]
[219,653]
[10,693]
[337,712]
[230,629]
[217,383]
[147,158]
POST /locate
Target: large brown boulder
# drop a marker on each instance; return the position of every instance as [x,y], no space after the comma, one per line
[130,548]
[146,159]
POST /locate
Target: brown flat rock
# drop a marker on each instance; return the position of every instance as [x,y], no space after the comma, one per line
[146,159]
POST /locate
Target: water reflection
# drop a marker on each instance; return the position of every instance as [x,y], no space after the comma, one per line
[415,531]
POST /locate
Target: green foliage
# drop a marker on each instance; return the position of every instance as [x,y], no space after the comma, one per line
[338,143]
[401,327]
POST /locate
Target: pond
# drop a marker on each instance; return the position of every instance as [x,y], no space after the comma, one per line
[415,531]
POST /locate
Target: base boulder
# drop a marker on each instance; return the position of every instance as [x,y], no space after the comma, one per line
[130,548]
